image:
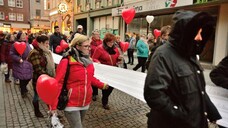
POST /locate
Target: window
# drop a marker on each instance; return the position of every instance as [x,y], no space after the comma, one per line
[38,13]
[20,17]
[11,3]
[2,16]
[19,3]
[38,1]
[12,16]
[1,2]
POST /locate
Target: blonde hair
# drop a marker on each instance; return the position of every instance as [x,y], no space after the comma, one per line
[78,39]
[118,36]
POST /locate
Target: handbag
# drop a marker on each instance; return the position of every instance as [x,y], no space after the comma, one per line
[63,97]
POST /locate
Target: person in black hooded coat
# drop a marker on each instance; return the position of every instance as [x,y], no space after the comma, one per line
[175,86]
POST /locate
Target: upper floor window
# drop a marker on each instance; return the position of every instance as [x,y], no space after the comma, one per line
[2,16]
[11,3]
[19,3]
[20,17]
[38,13]
[1,2]
[38,1]
[12,16]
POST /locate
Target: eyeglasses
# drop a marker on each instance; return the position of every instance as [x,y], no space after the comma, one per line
[86,46]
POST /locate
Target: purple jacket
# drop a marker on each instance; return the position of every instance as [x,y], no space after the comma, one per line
[22,71]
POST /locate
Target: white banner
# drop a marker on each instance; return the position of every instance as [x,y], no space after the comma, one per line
[132,83]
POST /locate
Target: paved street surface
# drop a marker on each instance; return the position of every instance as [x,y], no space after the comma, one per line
[126,111]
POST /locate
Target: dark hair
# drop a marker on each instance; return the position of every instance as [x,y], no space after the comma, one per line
[109,37]
[41,38]
[56,27]
[165,29]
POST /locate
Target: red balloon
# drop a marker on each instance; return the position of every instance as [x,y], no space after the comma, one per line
[157,33]
[47,89]
[58,49]
[128,15]
[124,46]
[63,44]
[20,47]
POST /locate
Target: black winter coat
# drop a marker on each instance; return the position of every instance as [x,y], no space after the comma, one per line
[219,75]
[175,92]
[175,86]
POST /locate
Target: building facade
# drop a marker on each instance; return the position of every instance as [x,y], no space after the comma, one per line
[61,14]
[14,15]
[39,15]
[163,10]
[96,14]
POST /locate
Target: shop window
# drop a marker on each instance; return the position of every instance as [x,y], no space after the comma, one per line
[12,16]
[1,2]
[2,16]
[11,3]
[20,17]
[19,3]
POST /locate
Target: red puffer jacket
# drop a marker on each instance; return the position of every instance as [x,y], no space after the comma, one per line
[79,82]
[104,57]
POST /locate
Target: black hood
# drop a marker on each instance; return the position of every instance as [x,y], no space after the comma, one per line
[186,25]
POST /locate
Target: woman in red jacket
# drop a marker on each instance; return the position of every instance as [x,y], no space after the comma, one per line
[107,54]
[81,76]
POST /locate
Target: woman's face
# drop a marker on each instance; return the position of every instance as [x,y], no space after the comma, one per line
[23,37]
[117,39]
[84,47]
[46,44]
[110,43]
[12,38]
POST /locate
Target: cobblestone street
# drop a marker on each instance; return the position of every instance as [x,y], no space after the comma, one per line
[17,112]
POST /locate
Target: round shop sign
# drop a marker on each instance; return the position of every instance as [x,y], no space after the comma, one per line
[62,8]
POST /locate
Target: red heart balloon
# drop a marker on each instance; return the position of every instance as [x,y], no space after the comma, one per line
[124,46]
[47,89]
[20,47]
[157,33]
[58,49]
[128,15]
[63,44]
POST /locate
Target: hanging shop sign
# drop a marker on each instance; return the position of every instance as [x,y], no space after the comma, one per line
[62,7]
[149,5]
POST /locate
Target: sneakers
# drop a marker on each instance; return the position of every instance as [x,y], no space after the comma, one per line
[17,81]
[94,98]
[106,107]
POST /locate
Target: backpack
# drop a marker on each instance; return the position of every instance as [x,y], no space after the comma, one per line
[63,97]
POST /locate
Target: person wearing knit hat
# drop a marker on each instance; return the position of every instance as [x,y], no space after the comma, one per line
[78,64]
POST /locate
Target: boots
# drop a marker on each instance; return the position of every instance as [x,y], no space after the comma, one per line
[37,110]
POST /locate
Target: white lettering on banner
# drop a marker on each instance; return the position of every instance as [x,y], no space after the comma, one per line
[150,5]
[133,83]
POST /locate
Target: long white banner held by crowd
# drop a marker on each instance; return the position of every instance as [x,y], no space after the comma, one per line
[132,83]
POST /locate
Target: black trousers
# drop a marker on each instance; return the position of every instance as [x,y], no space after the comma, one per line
[23,85]
[141,63]
[105,94]
[130,54]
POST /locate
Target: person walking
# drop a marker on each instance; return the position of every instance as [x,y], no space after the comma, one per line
[131,49]
[219,75]
[22,69]
[5,54]
[142,53]
[55,39]
[175,85]
[107,54]
[42,61]
[96,41]
[81,76]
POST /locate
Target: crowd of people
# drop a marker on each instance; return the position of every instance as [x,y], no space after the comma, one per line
[174,86]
